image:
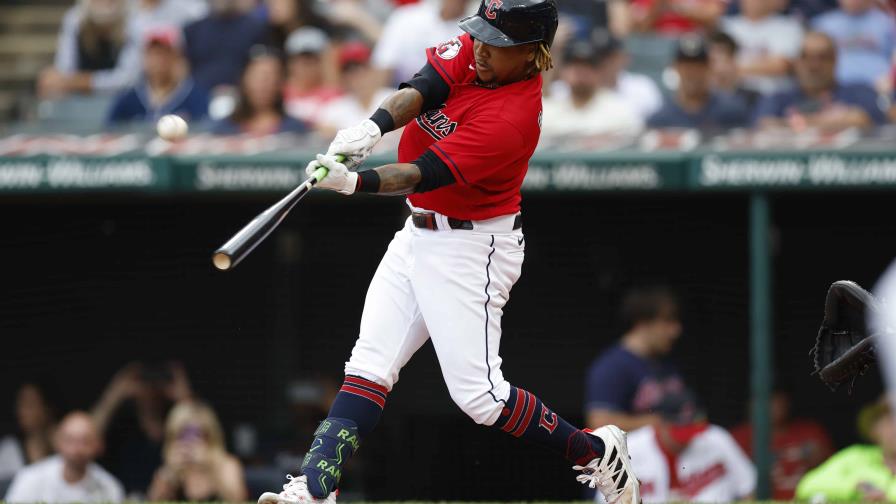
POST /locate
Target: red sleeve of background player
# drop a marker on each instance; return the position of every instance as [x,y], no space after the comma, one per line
[477,149]
[453,59]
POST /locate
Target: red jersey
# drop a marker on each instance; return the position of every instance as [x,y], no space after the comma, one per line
[802,445]
[485,136]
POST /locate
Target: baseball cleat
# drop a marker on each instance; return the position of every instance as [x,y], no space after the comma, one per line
[612,474]
[295,491]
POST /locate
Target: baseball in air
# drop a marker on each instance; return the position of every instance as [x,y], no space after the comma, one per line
[172,128]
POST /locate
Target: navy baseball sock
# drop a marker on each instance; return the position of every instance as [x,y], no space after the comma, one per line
[524,416]
[355,412]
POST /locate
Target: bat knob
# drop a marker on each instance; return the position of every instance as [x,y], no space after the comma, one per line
[221,261]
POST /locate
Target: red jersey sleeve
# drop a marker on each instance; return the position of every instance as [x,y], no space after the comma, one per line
[481,149]
[453,59]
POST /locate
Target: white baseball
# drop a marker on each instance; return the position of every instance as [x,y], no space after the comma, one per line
[172,128]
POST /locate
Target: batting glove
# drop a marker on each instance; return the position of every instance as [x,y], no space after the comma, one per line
[338,177]
[355,143]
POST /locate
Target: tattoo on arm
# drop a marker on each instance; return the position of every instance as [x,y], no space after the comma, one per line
[398,179]
[404,105]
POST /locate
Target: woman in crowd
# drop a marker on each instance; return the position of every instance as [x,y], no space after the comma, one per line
[97,51]
[196,464]
[259,108]
[33,441]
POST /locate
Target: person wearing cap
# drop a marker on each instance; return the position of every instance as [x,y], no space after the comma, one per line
[819,101]
[363,91]
[694,104]
[589,108]
[638,90]
[166,87]
[306,93]
[686,458]
[862,472]
[768,43]
[217,46]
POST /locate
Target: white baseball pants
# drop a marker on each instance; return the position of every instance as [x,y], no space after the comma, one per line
[451,286]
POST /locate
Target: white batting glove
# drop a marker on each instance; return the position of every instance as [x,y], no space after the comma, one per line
[338,177]
[355,143]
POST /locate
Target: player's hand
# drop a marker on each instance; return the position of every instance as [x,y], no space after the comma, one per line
[355,143]
[338,177]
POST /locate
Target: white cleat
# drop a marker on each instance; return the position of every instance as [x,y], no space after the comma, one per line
[612,474]
[295,492]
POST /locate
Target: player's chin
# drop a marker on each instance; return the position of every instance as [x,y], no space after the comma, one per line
[485,76]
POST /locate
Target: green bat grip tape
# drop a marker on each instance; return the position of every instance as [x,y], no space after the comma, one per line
[321,172]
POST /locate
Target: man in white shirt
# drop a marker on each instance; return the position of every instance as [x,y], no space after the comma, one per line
[71,476]
[410,30]
[589,108]
[685,458]
[768,42]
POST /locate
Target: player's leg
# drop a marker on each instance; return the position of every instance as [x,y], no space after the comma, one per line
[464,319]
[391,331]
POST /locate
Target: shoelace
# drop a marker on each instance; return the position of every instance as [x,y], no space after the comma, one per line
[295,486]
[593,477]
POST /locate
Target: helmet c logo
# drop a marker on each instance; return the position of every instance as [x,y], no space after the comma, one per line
[493,5]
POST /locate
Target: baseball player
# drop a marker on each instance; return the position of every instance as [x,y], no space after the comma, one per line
[472,118]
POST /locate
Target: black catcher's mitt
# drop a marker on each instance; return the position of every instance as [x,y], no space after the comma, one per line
[844,348]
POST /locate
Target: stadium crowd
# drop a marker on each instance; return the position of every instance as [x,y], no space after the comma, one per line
[822,66]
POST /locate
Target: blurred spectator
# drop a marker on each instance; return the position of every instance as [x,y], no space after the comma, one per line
[197,466]
[286,16]
[723,73]
[306,93]
[97,51]
[639,91]
[768,43]
[70,476]
[676,17]
[588,15]
[626,383]
[166,87]
[410,30]
[364,93]
[685,458]
[135,437]
[797,446]
[259,109]
[818,101]
[149,14]
[695,104]
[866,42]
[589,108]
[859,473]
[33,439]
[218,45]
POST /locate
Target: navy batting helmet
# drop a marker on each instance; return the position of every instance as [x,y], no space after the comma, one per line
[506,23]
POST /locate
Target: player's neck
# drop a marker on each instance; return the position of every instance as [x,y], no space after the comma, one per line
[634,343]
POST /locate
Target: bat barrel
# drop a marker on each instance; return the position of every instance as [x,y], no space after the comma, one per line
[241,244]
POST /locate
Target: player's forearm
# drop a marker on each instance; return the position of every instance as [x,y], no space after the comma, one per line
[404,105]
[397,179]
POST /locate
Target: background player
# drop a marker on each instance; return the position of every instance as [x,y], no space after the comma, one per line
[473,117]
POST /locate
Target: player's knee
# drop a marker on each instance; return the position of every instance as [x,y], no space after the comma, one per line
[481,407]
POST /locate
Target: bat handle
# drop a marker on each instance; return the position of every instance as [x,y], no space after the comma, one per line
[321,172]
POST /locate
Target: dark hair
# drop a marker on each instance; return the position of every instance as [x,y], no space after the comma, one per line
[644,304]
[723,39]
[243,110]
[306,15]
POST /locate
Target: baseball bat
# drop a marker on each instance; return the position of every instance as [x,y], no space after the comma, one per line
[243,242]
